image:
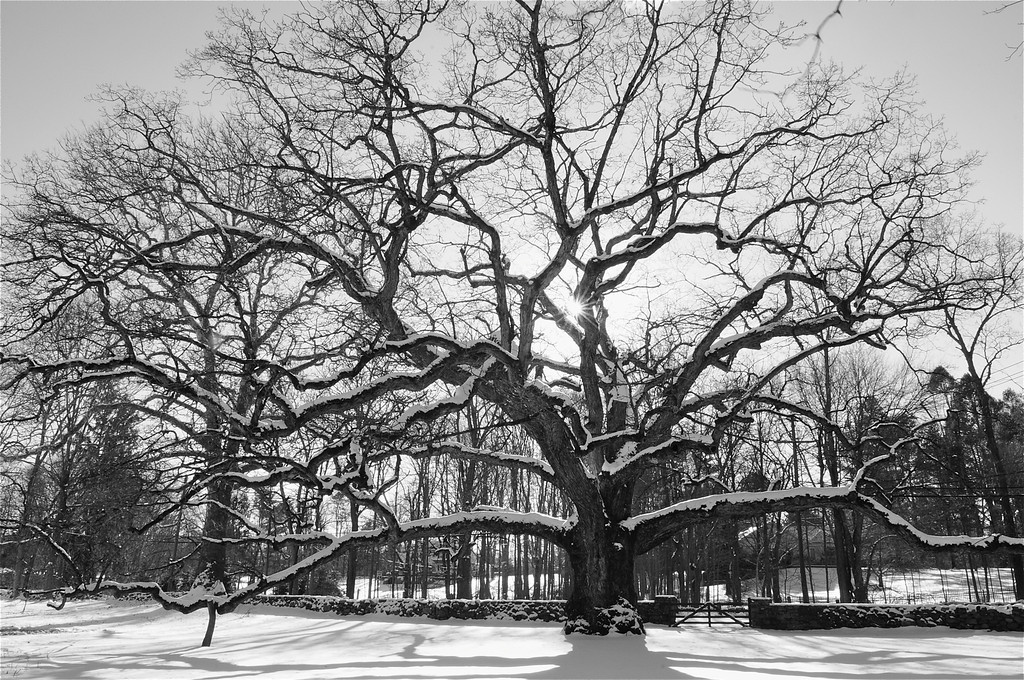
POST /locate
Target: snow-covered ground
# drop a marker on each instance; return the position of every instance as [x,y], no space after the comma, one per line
[133,641]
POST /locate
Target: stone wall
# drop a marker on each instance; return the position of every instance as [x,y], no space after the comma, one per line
[512,610]
[785,616]
[662,609]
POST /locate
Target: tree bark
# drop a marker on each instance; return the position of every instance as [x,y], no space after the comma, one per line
[211,622]
[464,568]
[483,569]
[601,557]
[504,567]
[351,561]
[216,525]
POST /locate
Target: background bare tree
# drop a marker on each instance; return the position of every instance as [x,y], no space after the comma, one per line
[985,331]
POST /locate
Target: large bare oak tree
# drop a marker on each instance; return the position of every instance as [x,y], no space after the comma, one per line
[616,224]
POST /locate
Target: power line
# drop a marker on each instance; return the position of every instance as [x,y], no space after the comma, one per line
[1002,380]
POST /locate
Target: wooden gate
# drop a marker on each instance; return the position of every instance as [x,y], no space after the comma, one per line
[712,613]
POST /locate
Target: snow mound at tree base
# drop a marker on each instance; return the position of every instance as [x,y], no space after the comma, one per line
[621,617]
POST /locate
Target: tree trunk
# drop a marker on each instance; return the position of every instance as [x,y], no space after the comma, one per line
[1009,526]
[860,586]
[799,518]
[802,559]
[293,557]
[211,622]
[840,541]
[774,549]
[464,568]
[602,559]
[425,577]
[216,524]
[351,562]
[735,589]
[550,554]
[483,570]
[689,568]
[504,567]
[520,547]
[24,574]
[538,568]
[25,551]
[409,570]
[448,576]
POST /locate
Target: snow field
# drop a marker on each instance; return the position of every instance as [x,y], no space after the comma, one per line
[106,639]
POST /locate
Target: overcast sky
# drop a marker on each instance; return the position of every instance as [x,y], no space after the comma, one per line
[53,55]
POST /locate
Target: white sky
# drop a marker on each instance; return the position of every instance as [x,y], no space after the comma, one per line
[53,55]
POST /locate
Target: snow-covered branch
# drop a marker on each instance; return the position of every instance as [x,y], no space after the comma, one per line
[653,528]
[462,451]
[544,526]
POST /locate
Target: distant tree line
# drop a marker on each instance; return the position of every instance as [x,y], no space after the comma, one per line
[74,506]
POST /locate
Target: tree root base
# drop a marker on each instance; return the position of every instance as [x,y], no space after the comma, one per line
[621,617]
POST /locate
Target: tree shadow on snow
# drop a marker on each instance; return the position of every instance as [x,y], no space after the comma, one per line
[614,656]
[587,657]
[166,664]
[841,665]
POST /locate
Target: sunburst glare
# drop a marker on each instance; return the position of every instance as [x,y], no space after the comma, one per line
[573,308]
